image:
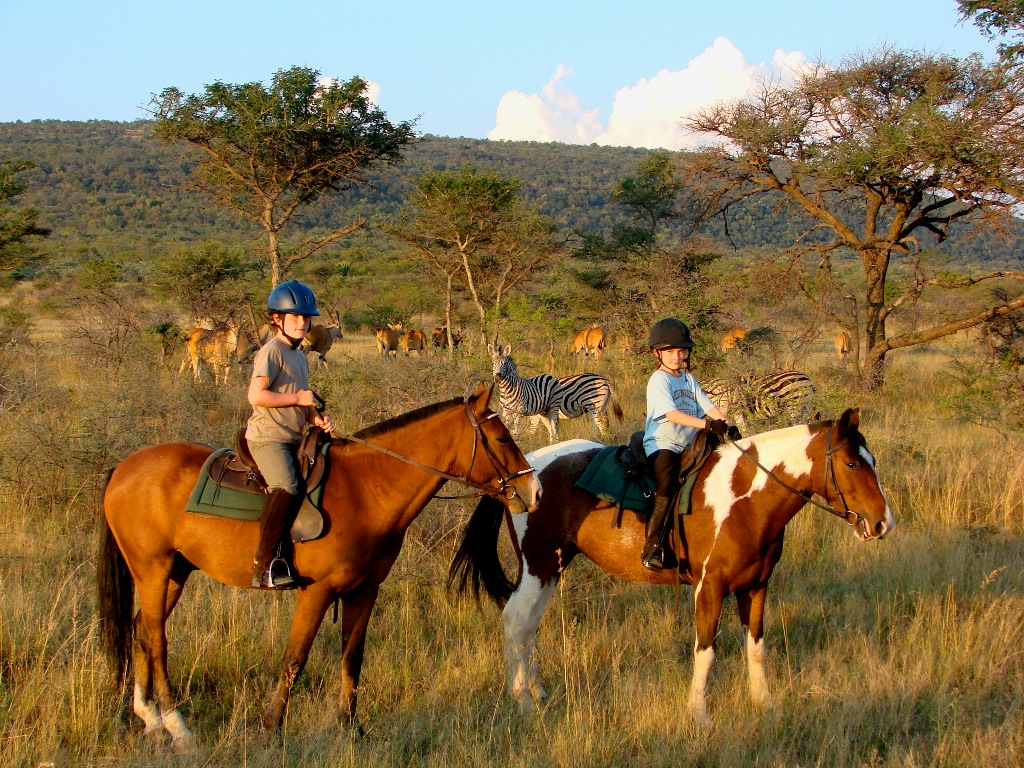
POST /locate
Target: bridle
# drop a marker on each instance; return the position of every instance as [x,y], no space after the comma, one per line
[504,490]
[851,517]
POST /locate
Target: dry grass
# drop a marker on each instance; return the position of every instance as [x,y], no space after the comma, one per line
[900,653]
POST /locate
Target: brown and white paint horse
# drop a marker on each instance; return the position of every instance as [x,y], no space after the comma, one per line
[380,479]
[733,538]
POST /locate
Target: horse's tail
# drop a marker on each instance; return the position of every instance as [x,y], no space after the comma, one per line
[476,559]
[116,592]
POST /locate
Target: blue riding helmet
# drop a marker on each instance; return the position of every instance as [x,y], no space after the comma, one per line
[292,298]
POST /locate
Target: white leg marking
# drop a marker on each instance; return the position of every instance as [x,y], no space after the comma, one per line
[147,711]
[755,669]
[181,736]
[520,621]
[702,661]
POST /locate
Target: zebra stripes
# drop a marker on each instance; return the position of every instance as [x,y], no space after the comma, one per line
[588,393]
[518,397]
[545,398]
[785,395]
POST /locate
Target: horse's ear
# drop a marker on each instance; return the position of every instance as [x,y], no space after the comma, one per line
[482,397]
[849,419]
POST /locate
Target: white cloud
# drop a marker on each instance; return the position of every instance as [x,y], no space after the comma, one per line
[553,115]
[646,114]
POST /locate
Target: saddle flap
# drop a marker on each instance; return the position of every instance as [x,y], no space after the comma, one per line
[607,478]
[241,453]
[692,459]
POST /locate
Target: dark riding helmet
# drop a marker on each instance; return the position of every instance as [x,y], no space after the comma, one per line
[292,298]
[669,333]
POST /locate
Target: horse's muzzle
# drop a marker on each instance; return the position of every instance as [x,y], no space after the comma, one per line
[865,531]
[524,499]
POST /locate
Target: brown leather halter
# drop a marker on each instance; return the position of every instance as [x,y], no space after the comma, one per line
[504,490]
[851,517]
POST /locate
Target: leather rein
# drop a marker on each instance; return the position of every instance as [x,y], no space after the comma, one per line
[504,490]
[851,517]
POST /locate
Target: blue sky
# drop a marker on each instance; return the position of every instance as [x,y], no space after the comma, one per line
[610,72]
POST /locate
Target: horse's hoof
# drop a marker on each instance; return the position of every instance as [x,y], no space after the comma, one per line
[355,729]
[184,745]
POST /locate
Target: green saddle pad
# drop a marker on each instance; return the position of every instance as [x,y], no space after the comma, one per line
[606,478]
[208,498]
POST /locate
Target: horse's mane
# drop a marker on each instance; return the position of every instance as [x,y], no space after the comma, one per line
[854,435]
[406,418]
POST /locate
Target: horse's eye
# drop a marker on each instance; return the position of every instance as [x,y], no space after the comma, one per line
[505,439]
[851,464]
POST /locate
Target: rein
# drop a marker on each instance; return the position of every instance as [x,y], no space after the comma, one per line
[503,490]
[849,516]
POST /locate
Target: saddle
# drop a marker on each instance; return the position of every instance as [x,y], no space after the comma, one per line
[237,469]
[622,476]
[230,484]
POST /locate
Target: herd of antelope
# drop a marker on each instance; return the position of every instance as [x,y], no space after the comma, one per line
[395,337]
[218,346]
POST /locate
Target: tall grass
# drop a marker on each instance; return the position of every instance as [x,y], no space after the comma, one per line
[905,652]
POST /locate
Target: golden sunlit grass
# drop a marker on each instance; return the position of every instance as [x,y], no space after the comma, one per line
[906,652]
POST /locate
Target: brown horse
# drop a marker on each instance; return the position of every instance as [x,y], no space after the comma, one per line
[150,542]
[741,504]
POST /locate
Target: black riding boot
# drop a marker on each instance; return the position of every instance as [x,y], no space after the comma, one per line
[657,531]
[279,511]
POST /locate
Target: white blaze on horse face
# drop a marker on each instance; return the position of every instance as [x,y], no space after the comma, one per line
[890,518]
[542,457]
[775,450]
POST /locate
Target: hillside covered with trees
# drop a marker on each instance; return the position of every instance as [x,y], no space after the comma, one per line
[111,189]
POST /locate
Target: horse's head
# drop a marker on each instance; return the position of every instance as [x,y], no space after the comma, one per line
[510,471]
[851,484]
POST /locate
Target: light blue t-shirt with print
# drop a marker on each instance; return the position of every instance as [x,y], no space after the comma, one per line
[665,393]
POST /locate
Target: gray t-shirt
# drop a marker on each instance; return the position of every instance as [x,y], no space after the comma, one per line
[287,371]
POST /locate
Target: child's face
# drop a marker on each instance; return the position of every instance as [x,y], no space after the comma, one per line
[673,358]
[295,326]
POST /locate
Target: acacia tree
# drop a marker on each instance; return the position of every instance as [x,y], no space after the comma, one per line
[882,156]
[16,224]
[267,152]
[473,228]
[998,19]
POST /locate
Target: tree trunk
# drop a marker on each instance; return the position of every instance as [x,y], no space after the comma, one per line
[274,257]
[876,265]
[448,317]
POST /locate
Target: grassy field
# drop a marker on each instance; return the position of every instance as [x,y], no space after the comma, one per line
[906,652]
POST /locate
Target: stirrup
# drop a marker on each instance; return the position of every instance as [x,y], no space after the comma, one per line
[269,580]
[654,560]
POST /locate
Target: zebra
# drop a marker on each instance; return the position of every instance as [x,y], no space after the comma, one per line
[590,393]
[517,397]
[784,395]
